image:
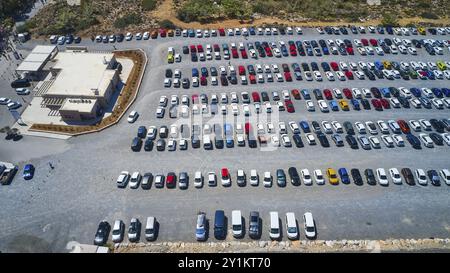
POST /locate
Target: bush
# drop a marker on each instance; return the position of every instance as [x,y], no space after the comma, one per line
[149,4]
[197,10]
[167,24]
[126,20]
[389,20]
[429,15]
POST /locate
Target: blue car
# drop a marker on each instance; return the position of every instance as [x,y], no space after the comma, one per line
[416,92]
[437,92]
[305,126]
[446,92]
[325,50]
[333,105]
[191,33]
[379,65]
[194,72]
[414,141]
[430,75]
[385,92]
[142,131]
[204,71]
[252,31]
[28,172]
[355,104]
[305,94]
[344,175]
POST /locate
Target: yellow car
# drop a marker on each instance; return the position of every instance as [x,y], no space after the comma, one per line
[332,176]
[422,30]
[387,65]
[441,65]
[170,58]
[344,105]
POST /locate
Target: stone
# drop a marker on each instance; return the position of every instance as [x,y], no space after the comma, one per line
[329,243]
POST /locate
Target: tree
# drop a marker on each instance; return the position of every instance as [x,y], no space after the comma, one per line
[389,20]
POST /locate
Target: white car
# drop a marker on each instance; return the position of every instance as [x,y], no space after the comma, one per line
[337,127]
[426,140]
[22,91]
[317,76]
[395,175]
[398,139]
[129,36]
[234,109]
[323,106]
[275,140]
[337,93]
[437,103]
[360,127]
[383,127]
[415,125]
[382,177]
[4,101]
[135,180]
[421,177]
[306,177]
[282,127]
[426,125]
[330,75]
[198,179]
[340,75]
[132,116]
[446,137]
[310,105]
[371,127]
[445,175]
[374,142]
[310,139]
[388,141]
[318,176]
[285,140]
[327,127]
[254,178]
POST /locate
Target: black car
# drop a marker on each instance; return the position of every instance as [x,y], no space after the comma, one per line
[252,143]
[147,180]
[375,92]
[323,140]
[142,131]
[254,226]
[102,234]
[161,145]
[357,178]
[349,128]
[298,141]
[218,142]
[305,67]
[408,175]
[314,66]
[135,230]
[281,178]
[437,139]
[148,145]
[185,49]
[318,94]
[195,142]
[351,140]
[394,91]
[136,144]
[437,125]
[77,39]
[220,225]
[186,83]
[169,73]
[316,127]
[265,96]
[120,37]
[434,177]
[404,102]
[293,174]
[370,177]
[365,103]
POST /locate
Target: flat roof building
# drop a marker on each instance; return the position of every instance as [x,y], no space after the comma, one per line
[37,59]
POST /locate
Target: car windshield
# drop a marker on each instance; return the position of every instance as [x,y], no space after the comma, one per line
[116,232]
[309,229]
[237,227]
[274,230]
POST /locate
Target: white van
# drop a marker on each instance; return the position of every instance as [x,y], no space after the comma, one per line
[274,232]
[207,144]
[236,221]
[310,228]
[151,229]
[291,226]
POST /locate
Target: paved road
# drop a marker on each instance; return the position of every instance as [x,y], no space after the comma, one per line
[66,203]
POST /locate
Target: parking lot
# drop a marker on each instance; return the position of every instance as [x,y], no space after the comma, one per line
[66,203]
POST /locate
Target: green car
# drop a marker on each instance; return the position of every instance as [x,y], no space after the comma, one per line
[413,75]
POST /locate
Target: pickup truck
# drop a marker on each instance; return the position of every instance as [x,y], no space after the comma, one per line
[8,171]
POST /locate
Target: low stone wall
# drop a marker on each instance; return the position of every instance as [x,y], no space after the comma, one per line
[375,246]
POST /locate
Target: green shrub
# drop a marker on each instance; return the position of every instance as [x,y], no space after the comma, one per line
[149,4]
[126,20]
[429,15]
[167,24]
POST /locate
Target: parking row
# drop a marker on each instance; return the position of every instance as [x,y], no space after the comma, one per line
[295,177]
[239,227]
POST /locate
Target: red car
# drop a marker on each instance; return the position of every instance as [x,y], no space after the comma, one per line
[289,106]
[193,48]
[334,66]
[225,174]
[347,93]
[296,94]
[268,52]
[385,104]
[234,53]
[252,79]
[255,96]
[203,80]
[373,42]
[221,32]
[244,54]
[194,98]
[287,76]
[200,48]
[349,75]
[377,104]
[327,94]
[248,128]
[162,32]
[241,69]
[364,42]
[216,48]
[293,52]
[404,126]
[171,180]
[349,51]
